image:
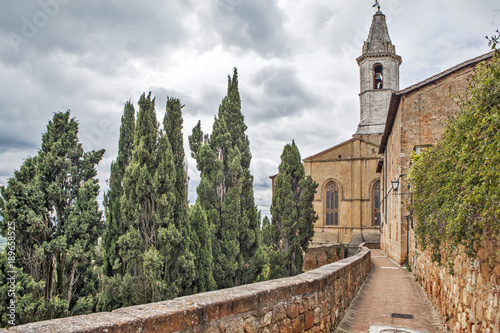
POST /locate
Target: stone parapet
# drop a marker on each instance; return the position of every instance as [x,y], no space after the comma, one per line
[318,256]
[310,302]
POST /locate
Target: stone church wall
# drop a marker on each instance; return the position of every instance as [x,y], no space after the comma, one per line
[468,299]
[351,165]
[310,302]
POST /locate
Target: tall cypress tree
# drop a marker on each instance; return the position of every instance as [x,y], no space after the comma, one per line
[115,226]
[293,215]
[202,243]
[52,202]
[157,262]
[226,192]
[184,266]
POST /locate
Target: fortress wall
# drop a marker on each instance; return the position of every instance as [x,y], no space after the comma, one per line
[310,302]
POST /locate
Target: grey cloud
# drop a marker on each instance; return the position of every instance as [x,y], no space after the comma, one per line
[12,159]
[279,93]
[116,29]
[255,25]
[94,55]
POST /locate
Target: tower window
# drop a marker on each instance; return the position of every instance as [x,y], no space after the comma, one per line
[332,205]
[378,77]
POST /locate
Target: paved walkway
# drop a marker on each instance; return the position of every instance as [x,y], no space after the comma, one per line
[390,292]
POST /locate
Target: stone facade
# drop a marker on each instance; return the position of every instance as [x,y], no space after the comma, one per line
[467,299]
[416,119]
[310,302]
[349,167]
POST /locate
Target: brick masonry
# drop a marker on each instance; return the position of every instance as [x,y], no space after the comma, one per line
[310,302]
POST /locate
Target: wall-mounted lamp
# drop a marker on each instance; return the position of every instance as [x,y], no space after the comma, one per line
[395,185]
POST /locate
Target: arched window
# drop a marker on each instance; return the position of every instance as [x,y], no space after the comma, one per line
[378,77]
[376,203]
[332,204]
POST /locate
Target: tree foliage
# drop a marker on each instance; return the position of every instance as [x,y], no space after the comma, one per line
[225,192]
[52,204]
[202,237]
[154,249]
[293,215]
[456,184]
[115,226]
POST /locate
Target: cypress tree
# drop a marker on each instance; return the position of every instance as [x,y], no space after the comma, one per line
[202,244]
[52,202]
[154,249]
[226,192]
[293,215]
[172,124]
[115,226]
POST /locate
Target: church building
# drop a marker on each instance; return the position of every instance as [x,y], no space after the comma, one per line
[348,198]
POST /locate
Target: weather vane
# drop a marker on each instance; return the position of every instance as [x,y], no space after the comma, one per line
[377,5]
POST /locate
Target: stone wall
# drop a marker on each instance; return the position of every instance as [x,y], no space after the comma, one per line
[468,299]
[318,256]
[310,302]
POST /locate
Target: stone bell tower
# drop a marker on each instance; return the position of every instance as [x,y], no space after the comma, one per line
[379,74]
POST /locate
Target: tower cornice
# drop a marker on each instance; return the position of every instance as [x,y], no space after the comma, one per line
[373,55]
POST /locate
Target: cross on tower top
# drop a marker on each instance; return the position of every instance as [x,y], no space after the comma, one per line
[377,5]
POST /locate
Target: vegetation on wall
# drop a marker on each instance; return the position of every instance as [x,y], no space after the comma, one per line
[456,184]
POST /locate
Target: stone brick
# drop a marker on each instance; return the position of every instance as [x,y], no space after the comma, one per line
[267,319]
[279,313]
[292,311]
[212,329]
[317,315]
[298,324]
[479,311]
[286,326]
[250,325]
[274,328]
[309,320]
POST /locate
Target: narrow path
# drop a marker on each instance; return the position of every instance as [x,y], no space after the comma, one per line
[387,300]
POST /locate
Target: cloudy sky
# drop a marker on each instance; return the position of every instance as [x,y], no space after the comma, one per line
[298,77]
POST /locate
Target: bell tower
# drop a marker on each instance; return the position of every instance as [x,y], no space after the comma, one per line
[379,77]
